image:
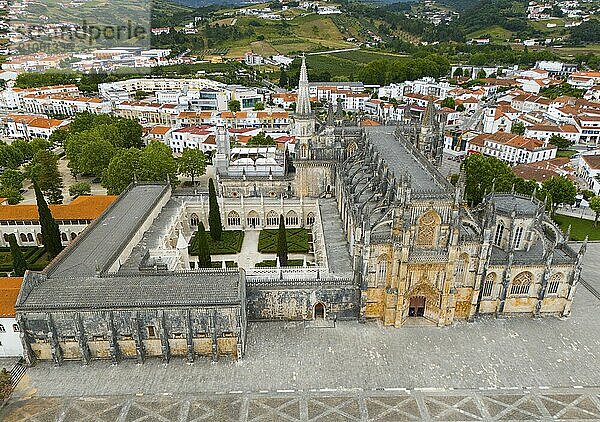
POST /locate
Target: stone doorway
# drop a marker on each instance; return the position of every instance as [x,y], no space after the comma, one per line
[319,311]
[417,306]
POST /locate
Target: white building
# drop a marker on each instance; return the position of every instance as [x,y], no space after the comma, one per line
[511,148]
[194,137]
[29,127]
[10,339]
[588,168]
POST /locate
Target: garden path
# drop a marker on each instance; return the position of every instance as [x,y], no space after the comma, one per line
[249,256]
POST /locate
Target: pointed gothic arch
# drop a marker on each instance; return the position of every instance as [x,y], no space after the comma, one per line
[291,218]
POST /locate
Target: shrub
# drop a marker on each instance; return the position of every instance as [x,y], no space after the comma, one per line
[297,240]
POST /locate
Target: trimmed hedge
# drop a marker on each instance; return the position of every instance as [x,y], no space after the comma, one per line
[271,263]
[228,264]
[36,258]
[230,243]
[297,240]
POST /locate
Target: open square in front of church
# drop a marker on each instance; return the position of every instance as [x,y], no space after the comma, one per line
[517,352]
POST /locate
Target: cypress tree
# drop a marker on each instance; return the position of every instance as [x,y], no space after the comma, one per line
[214,215]
[200,244]
[50,230]
[19,262]
[282,250]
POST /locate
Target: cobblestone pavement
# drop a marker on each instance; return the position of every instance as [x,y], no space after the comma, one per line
[357,405]
[505,369]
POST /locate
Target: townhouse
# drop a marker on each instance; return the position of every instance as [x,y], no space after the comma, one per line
[29,127]
[511,148]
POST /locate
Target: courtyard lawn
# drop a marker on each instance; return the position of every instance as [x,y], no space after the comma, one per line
[269,263]
[297,240]
[580,228]
[36,258]
[230,243]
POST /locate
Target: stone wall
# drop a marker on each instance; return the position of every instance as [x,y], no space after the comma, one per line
[135,334]
[298,303]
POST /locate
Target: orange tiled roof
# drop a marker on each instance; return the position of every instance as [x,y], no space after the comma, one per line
[9,290]
[160,130]
[82,208]
[369,122]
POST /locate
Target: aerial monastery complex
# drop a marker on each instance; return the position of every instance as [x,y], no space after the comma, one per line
[391,240]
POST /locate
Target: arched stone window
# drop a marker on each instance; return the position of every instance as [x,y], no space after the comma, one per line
[2,329]
[291,219]
[73,236]
[554,283]
[272,218]
[427,228]
[462,267]
[521,283]
[310,219]
[518,237]
[40,238]
[23,237]
[194,220]
[382,265]
[30,237]
[499,234]
[488,284]
[233,219]
[64,237]
[16,328]
[252,219]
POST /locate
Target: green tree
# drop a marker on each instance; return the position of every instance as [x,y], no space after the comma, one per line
[24,148]
[235,106]
[157,164]
[58,136]
[448,102]
[259,105]
[11,178]
[518,128]
[461,107]
[192,163]
[481,74]
[595,206]
[44,170]
[458,72]
[261,140]
[282,249]
[50,230]
[283,79]
[560,142]
[124,166]
[200,247]
[214,214]
[18,260]
[95,157]
[80,189]
[39,144]
[561,190]
[482,173]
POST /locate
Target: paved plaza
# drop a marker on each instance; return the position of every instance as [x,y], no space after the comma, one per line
[504,369]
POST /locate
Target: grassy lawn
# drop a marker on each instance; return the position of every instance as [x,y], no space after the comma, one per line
[580,228]
[297,241]
[269,263]
[228,264]
[566,153]
[36,258]
[230,243]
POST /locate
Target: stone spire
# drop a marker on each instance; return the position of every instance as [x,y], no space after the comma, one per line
[303,103]
[429,116]
[330,115]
